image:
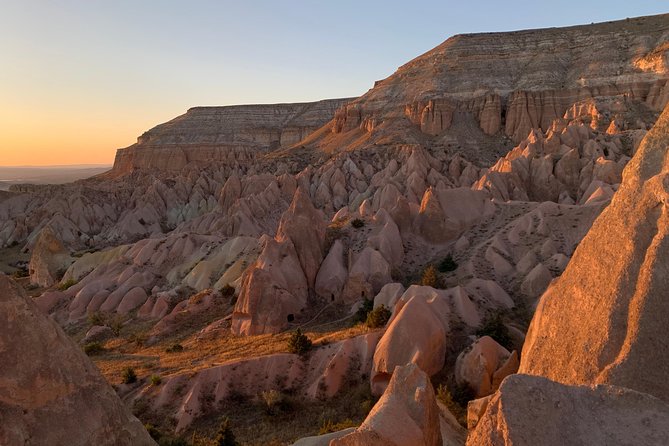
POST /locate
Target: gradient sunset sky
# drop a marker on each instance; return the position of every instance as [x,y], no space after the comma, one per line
[80,79]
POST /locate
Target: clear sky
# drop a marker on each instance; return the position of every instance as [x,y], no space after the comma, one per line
[81,78]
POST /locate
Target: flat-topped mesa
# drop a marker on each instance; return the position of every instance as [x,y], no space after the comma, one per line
[220,134]
[516,81]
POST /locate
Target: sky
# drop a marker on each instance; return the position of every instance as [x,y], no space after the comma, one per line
[82,78]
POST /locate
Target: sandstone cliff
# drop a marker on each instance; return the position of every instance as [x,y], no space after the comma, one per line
[219,134]
[513,82]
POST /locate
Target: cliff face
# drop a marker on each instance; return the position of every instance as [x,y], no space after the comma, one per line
[513,82]
[219,134]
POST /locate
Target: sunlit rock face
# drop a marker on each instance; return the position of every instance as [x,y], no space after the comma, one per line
[603,318]
[51,392]
[224,134]
[513,82]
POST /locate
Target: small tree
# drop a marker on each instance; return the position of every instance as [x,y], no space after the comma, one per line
[128,376]
[299,343]
[357,223]
[494,327]
[378,317]
[448,264]
[225,436]
[429,277]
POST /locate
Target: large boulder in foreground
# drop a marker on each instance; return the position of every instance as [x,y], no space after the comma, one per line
[406,414]
[604,320]
[530,410]
[50,392]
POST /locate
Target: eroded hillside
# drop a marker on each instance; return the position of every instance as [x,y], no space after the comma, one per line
[452,194]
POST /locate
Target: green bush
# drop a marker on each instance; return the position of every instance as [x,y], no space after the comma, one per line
[456,401]
[447,265]
[273,399]
[365,308]
[299,343]
[128,376]
[156,380]
[67,284]
[174,348]
[225,436]
[378,317]
[93,348]
[357,223]
[494,327]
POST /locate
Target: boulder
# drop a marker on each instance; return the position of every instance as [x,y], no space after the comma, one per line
[51,392]
[49,259]
[406,414]
[417,333]
[483,365]
[531,410]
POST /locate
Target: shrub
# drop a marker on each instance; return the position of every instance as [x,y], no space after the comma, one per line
[272,398]
[430,277]
[365,308]
[378,317]
[228,291]
[448,264]
[68,283]
[330,426]
[153,431]
[174,348]
[97,318]
[456,402]
[19,273]
[299,343]
[172,441]
[357,223]
[225,436]
[93,348]
[494,327]
[156,380]
[128,376]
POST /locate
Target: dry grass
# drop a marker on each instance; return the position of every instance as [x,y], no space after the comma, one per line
[200,353]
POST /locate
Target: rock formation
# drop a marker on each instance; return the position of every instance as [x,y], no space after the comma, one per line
[240,132]
[407,413]
[598,323]
[51,392]
[531,410]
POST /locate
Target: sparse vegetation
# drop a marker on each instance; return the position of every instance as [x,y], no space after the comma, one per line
[456,401]
[228,291]
[299,343]
[447,265]
[273,399]
[156,380]
[330,426]
[494,327]
[20,273]
[174,348]
[365,308]
[225,436]
[429,277]
[128,376]
[67,284]
[93,348]
[357,223]
[378,317]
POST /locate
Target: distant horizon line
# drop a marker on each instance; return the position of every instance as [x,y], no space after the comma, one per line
[58,166]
